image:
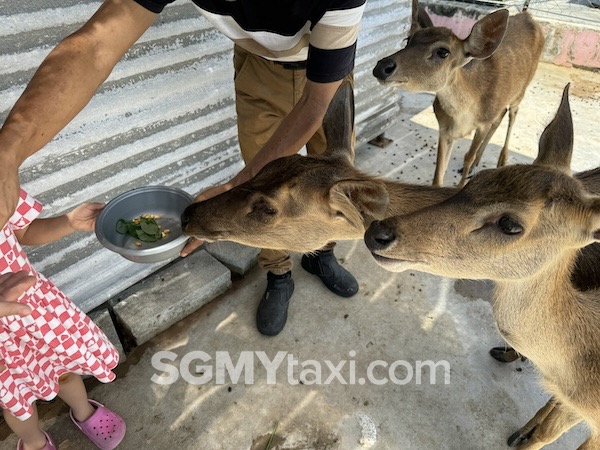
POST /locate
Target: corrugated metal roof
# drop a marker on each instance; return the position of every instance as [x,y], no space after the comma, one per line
[165,116]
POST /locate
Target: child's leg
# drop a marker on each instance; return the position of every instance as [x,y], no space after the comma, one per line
[72,391]
[29,430]
[101,425]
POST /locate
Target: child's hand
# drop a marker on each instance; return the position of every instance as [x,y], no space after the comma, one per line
[12,285]
[83,218]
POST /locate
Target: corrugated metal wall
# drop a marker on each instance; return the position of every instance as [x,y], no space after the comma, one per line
[165,116]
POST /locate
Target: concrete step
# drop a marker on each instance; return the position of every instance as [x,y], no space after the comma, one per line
[153,305]
[238,258]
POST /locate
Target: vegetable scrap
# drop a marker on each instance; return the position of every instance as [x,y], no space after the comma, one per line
[144,228]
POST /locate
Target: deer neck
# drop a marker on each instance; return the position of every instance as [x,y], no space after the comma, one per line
[531,312]
[454,98]
[407,198]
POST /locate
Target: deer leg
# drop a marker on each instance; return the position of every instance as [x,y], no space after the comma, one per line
[551,421]
[512,113]
[443,156]
[485,143]
[592,443]
[505,354]
[480,136]
[525,432]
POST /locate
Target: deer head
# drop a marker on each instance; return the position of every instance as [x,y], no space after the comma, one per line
[298,203]
[507,223]
[433,54]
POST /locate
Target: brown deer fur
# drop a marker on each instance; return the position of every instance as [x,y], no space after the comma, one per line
[300,203]
[523,227]
[476,80]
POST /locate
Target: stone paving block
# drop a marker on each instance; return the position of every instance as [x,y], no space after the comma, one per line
[159,301]
[239,258]
[104,321]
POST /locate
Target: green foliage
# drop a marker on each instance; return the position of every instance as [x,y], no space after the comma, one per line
[143,228]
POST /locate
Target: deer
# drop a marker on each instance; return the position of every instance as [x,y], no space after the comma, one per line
[300,203]
[523,227]
[475,80]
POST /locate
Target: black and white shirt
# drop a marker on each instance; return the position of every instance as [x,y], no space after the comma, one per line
[321,32]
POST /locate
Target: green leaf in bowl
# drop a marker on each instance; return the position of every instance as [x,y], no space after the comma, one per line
[143,228]
[149,227]
[122,226]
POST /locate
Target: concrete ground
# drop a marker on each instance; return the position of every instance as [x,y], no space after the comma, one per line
[396,320]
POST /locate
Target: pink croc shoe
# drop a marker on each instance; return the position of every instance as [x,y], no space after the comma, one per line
[50,445]
[104,428]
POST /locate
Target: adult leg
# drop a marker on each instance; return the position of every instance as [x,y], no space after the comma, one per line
[264,97]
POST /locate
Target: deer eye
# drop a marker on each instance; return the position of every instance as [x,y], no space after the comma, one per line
[508,225]
[261,206]
[442,52]
[269,211]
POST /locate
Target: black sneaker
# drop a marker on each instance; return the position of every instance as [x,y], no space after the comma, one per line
[337,279]
[271,314]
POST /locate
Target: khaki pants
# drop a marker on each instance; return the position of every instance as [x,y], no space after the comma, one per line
[265,92]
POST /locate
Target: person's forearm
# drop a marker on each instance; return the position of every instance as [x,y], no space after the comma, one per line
[60,88]
[295,130]
[44,231]
[69,76]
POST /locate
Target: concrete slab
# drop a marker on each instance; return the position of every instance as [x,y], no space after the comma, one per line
[238,258]
[395,320]
[156,303]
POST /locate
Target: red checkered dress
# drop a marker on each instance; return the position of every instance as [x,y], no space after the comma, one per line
[56,338]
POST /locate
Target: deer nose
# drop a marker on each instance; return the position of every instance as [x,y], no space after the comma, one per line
[379,236]
[384,69]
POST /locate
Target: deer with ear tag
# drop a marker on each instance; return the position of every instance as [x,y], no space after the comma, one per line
[475,80]
[522,226]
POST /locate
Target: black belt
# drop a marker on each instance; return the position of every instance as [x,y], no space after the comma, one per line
[292,65]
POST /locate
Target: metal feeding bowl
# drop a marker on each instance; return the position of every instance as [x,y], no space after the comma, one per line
[165,203]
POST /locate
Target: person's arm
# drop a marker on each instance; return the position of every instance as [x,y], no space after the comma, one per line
[293,133]
[296,128]
[43,231]
[62,86]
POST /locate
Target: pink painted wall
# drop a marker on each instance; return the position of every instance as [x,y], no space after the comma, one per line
[566,44]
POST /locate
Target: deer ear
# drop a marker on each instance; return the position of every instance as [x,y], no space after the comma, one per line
[359,202]
[338,124]
[420,19]
[486,35]
[556,142]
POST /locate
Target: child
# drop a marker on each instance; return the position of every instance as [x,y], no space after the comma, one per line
[44,353]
